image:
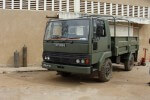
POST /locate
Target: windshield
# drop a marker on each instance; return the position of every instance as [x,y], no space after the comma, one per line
[67,30]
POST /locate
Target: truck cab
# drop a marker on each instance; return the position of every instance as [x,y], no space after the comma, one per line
[79,46]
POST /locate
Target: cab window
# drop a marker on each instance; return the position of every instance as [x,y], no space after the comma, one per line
[99,28]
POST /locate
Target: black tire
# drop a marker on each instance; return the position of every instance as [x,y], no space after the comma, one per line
[106,71]
[65,74]
[129,64]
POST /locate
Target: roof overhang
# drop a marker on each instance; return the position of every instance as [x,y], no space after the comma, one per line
[138,20]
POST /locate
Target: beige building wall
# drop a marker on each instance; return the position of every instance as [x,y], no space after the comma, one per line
[128,2]
[19,28]
[144,39]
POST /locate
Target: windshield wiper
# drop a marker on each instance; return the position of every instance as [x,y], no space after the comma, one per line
[49,41]
[66,40]
[73,37]
[56,37]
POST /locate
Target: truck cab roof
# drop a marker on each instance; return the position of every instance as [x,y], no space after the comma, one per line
[80,18]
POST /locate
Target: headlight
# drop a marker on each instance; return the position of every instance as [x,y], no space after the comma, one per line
[77,61]
[47,58]
[82,61]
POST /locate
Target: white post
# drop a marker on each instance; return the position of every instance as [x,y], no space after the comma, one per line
[138,11]
[128,10]
[104,8]
[77,6]
[4,4]
[60,5]
[148,12]
[37,4]
[92,7]
[110,8]
[45,5]
[67,5]
[20,4]
[52,5]
[98,7]
[29,4]
[143,12]
[12,4]
[85,6]
[116,9]
[122,10]
[133,11]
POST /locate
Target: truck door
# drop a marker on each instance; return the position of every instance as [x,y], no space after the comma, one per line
[101,42]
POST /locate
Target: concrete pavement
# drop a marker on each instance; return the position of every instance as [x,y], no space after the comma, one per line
[4,70]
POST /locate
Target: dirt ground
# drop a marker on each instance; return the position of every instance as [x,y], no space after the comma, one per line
[47,85]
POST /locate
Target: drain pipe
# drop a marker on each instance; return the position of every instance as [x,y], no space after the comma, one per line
[24,56]
[16,59]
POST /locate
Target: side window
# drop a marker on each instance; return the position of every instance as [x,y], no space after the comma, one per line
[100,28]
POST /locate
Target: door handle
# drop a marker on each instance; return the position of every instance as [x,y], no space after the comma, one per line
[95,46]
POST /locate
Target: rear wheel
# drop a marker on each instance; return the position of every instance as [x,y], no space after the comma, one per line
[129,64]
[106,71]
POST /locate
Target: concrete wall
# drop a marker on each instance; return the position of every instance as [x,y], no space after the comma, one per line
[19,28]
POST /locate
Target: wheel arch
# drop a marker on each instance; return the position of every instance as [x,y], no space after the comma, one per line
[102,59]
[129,55]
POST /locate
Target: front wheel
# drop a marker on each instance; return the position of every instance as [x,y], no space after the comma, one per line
[106,71]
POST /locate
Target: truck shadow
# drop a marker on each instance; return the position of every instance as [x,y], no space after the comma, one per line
[50,78]
[75,79]
[118,68]
[79,79]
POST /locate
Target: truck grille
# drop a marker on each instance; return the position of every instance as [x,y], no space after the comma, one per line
[63,58]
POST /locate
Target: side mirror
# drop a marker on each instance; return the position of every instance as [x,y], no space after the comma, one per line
[94,29]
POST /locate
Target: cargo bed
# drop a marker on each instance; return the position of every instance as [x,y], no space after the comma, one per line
[123,45]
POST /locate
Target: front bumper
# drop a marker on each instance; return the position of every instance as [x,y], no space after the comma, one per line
[67,68]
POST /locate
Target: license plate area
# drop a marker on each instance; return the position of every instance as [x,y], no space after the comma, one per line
[61,67]
[47,65]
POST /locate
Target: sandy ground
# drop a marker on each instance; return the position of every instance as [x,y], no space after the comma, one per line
[47,85]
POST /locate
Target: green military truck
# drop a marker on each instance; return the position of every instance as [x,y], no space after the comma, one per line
[84,46]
